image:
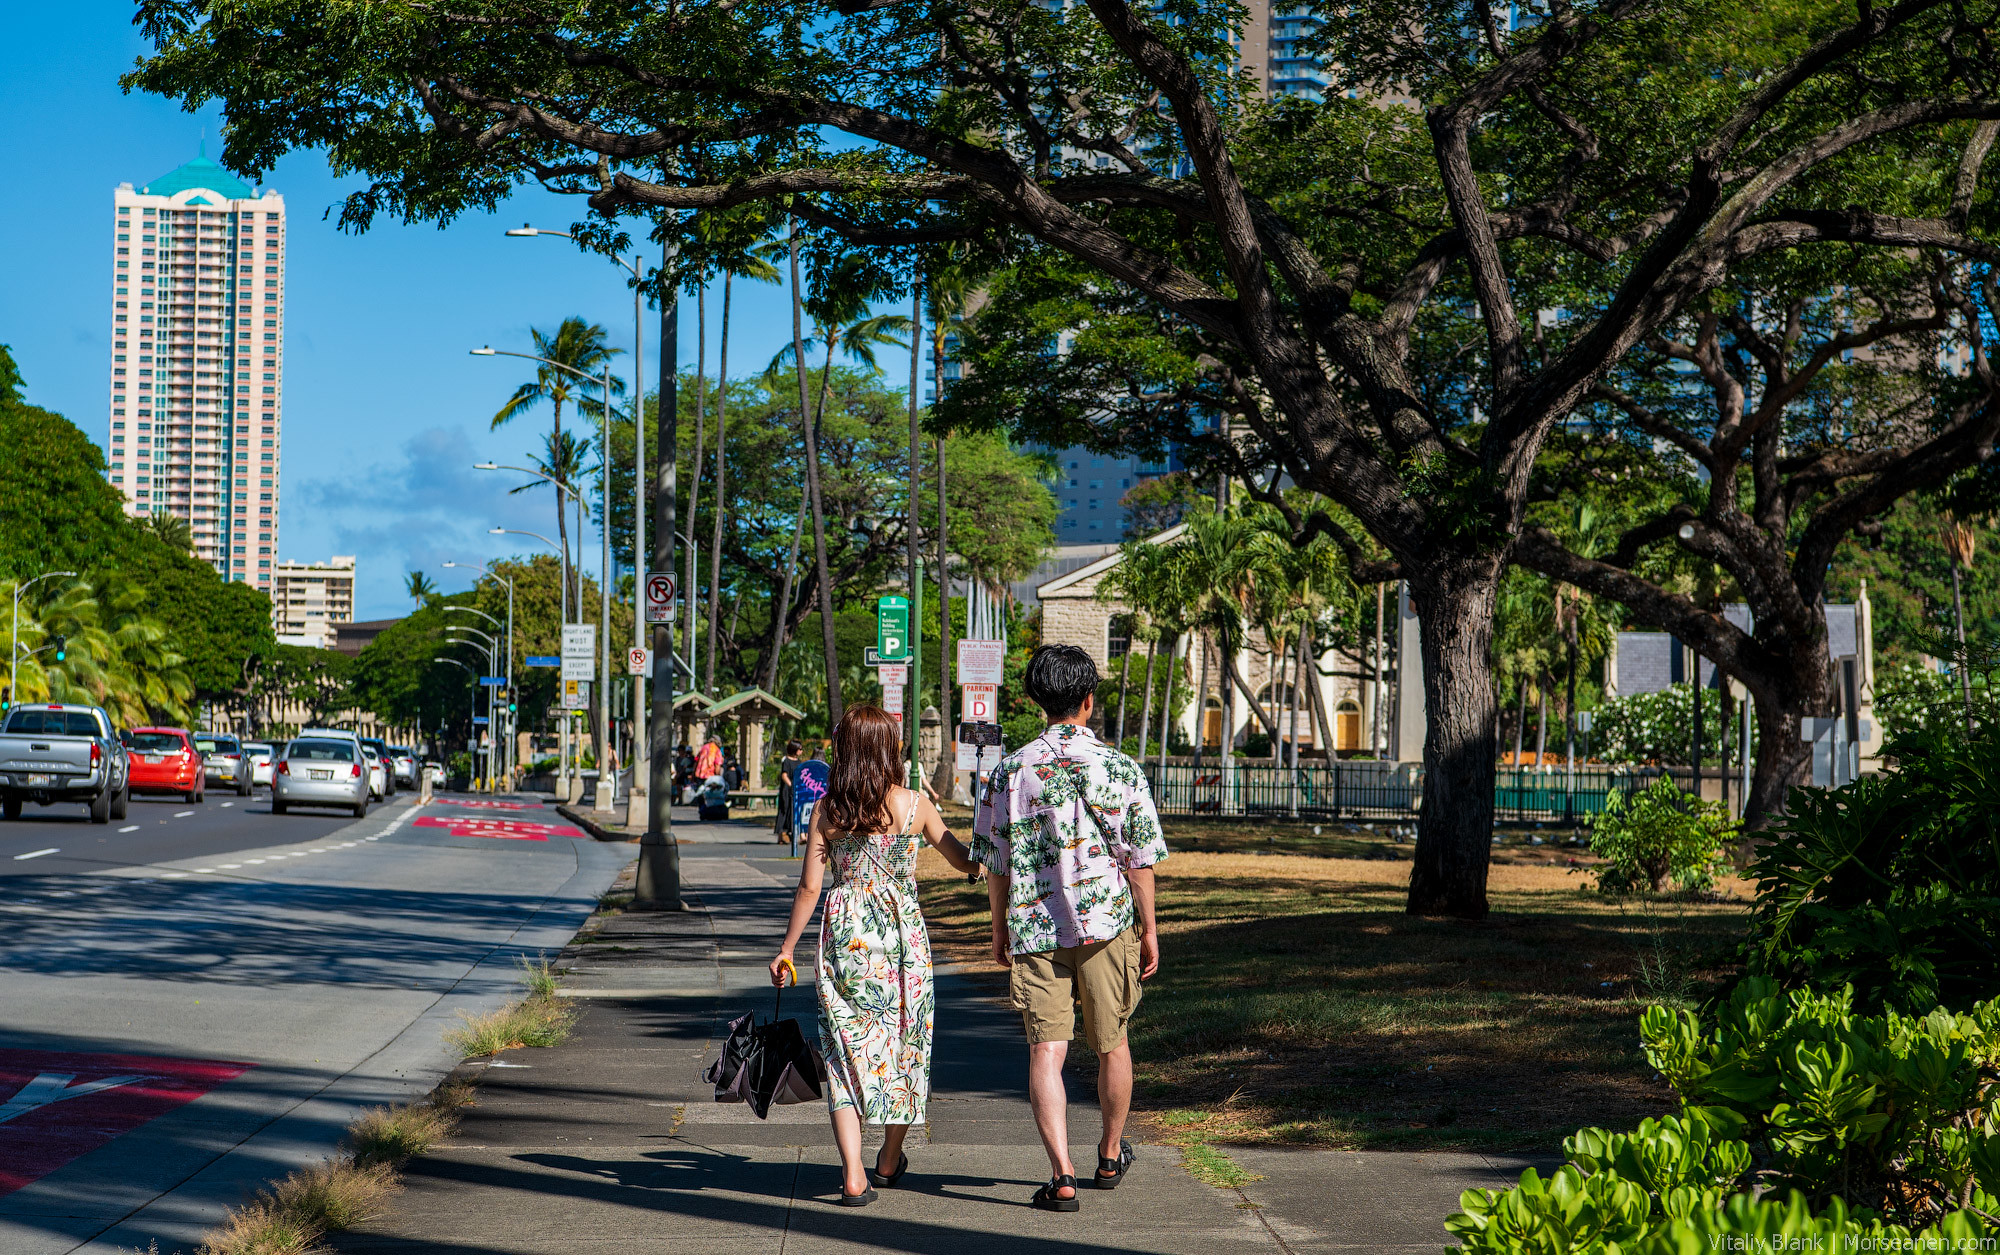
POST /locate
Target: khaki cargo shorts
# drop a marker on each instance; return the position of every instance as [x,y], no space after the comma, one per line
[1101,976]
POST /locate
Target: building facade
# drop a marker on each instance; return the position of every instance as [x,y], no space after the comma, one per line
[197,361]
[309,600]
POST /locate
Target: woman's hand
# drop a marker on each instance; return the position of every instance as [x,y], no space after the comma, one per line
[782,967]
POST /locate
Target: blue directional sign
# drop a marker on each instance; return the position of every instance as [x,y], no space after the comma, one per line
[493,681]
[544,660]
[479,720]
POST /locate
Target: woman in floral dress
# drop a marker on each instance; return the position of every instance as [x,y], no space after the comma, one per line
[874,984]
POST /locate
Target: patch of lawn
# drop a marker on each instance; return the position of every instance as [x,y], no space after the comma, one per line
[1297,1003]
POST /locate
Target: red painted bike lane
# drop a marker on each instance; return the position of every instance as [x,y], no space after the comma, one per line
[62,1104]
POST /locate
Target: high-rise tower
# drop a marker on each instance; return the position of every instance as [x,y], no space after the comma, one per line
[197,360]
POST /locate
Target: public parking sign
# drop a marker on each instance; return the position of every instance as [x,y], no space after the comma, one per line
[892,629]
[982,662]
[659,599]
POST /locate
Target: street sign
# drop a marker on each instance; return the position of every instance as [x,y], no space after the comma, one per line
[659,599]
[544,660]
[493,681]
[982,662]
[892,629]
[892,700]
[869,658]
[980,703]
[639,661]
[894,674]
[579,640]
[579,668]
[479,721]
[576,694]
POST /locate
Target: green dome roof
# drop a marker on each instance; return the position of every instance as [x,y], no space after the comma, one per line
[202,173]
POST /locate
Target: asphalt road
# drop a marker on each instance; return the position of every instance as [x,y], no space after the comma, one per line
[198,1005]
[57,840]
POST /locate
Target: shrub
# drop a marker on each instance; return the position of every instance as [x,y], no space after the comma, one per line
[1799,1120]
[1656,727]
[1891,883]
[1659,838]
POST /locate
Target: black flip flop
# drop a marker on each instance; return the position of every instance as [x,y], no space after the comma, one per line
[1116,1167]
[1047,1199]
[889,1182]
[862,1199]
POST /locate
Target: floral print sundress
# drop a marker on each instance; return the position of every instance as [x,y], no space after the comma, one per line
[875,1001]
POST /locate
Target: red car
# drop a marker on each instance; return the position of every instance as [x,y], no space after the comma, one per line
[164,760]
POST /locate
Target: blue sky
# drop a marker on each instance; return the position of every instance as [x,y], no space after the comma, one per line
[384,410]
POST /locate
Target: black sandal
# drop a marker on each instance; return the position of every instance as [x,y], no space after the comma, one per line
[1047,1199]
[889,1182]
[862,1199]
[1116,1167]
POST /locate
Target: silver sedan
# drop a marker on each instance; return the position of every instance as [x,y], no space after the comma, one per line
[315,772]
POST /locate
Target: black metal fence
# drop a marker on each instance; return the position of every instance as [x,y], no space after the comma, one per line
[1372,790]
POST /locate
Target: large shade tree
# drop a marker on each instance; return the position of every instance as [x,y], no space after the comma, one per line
[1365,275]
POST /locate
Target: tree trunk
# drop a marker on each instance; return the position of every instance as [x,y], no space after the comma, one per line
[1321,719]
[1146,706]
[1124,681]
[1256,707]
[779,627]
[721,492]
[1454,604]
[1376,744]
[1781,754]
[1542,725]
[833,703]
[1520,723]
[1167,712]
[1958,663]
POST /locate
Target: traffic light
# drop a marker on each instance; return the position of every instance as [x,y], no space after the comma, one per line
[62,648]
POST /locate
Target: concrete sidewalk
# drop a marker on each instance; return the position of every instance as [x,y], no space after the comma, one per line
[613,1142]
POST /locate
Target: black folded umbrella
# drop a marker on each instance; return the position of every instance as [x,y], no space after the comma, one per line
[768,1063]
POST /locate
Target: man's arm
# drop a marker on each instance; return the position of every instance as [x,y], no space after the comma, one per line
[1141,881]
[997,886]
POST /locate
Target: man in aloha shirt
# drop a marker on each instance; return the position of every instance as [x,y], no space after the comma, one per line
[1069,837]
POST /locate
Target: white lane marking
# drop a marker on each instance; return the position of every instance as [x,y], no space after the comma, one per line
[129,828]
[318,849]
[36,853]
[173,875]
[182,814]
[54,1087]
[253,861]
[204,871]
[347,845]
[230,867]
[229,803]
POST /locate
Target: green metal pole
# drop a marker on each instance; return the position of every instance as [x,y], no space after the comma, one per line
[911,713]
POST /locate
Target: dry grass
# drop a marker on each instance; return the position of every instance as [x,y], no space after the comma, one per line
[396,1135]
[1298,1003]
[537,1020]
[292,1216]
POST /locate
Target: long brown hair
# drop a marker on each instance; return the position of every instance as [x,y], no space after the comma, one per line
[867,763]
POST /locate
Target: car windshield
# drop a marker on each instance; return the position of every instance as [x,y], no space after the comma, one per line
[215,744]
[53,723]
[322,751]
[157,742]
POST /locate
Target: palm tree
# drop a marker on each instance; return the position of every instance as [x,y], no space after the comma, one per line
[949,287]
[839,309]
[172,529]
[580,346]
[740,251]
[1959,541]
[420,587]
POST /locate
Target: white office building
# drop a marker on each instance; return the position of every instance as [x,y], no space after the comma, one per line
[197,361]
[309,598]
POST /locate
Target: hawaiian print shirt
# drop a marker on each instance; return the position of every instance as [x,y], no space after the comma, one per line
[1068,880]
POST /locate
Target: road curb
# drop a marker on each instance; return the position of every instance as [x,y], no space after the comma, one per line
[590,825]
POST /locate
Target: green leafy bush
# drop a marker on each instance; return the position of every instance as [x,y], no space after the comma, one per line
[1891,883]
[1800,1122]
[1655,727]
[1659,838]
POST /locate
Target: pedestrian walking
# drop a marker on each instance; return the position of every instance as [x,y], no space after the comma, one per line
[874,978]
[1069,837]
[788,775]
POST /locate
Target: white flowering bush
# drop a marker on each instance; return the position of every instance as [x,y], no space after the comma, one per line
[1655,727]
[1911,699]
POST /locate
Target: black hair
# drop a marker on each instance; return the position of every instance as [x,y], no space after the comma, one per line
[793,747]
[1059,678]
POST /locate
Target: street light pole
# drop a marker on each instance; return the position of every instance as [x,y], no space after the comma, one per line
[14,637]
[658,883]
[563,573]
[507,672]
[490,648]
[607,791]
[471,709]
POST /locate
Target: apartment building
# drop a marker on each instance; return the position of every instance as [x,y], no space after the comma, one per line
[308,600]
[197,351]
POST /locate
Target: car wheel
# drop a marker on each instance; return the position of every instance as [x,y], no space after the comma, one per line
[11,808]
[123,804]
[243,787]
[277,807]
[361,810]
[191,796]
[100,808]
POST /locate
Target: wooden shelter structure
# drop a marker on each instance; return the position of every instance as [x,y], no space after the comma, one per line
[752,709]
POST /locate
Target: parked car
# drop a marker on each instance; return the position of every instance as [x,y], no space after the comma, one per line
[164,760]
[378,773]
[406,765]
[259,755]
[436,772]
[222,762]
[61,753]
[387,758]
[321,771]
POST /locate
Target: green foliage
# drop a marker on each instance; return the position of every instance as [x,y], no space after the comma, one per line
[1660,838]
[1656,727]
[1891,883]
[1800,1121]
[1915,699]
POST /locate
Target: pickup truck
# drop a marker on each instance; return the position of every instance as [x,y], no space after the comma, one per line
[60,753]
